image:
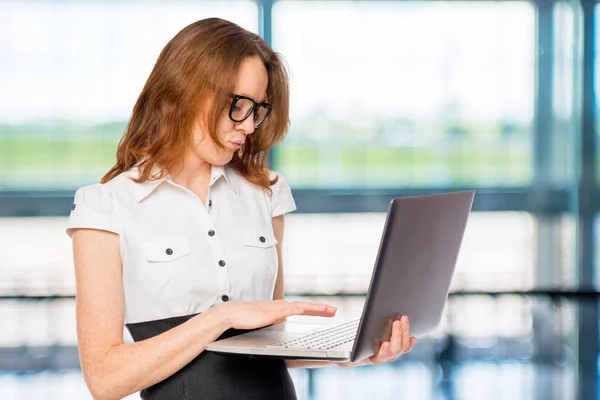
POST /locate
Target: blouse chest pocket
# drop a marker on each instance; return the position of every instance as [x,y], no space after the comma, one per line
[166,249]
[163,272]
[258,255]
[262,237]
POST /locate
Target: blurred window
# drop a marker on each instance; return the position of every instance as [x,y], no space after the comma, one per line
[70,75]
[408,93]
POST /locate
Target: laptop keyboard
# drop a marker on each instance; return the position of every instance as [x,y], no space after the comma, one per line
[324,339]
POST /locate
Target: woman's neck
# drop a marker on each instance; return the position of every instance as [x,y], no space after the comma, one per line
[192,173]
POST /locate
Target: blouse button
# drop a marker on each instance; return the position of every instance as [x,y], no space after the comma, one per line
[210,203]
[73,206]
[222,263]
[225,297]
[169,251]
[211,233]
[262,239]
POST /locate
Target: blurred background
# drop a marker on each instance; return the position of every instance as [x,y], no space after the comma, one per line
[388,99]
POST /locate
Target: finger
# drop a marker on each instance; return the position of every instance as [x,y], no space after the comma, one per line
[413,341]
[318,309]
[405,333]
[383,354]
[376,345]
[326,314]
[290,311]
[311,304]
[287,309]
[303,308]
[396,341]
[387,332]
[321,306]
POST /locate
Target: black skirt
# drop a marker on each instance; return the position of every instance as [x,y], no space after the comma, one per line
[213,376]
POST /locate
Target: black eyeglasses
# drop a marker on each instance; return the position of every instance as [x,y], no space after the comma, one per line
[242,107]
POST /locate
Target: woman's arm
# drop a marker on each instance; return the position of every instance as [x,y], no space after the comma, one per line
[112,369]
[278,293]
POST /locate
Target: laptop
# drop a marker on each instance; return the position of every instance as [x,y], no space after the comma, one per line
[413,270]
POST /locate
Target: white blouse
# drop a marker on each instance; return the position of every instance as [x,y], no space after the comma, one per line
[181,256]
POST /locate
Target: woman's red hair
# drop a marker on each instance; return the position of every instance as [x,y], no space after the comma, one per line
[202,60]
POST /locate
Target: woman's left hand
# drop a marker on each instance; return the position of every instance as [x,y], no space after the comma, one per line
[400,342]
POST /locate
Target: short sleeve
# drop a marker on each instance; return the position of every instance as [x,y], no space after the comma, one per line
[282,200]
[92,208]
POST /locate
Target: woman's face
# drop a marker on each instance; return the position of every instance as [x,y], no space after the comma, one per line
[252,81]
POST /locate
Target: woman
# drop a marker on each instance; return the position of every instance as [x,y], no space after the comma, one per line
[182,240]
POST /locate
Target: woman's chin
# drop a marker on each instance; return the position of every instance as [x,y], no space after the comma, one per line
[223,158]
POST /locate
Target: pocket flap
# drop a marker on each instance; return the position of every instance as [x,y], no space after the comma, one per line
[166,249]
[258,237]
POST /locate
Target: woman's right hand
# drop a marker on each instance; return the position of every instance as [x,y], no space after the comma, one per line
[256,314]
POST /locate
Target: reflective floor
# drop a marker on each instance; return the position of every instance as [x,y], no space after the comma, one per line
[401,380]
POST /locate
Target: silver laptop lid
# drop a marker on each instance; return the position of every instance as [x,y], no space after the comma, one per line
[414,267]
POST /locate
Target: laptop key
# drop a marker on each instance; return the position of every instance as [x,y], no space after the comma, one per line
[323,340]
